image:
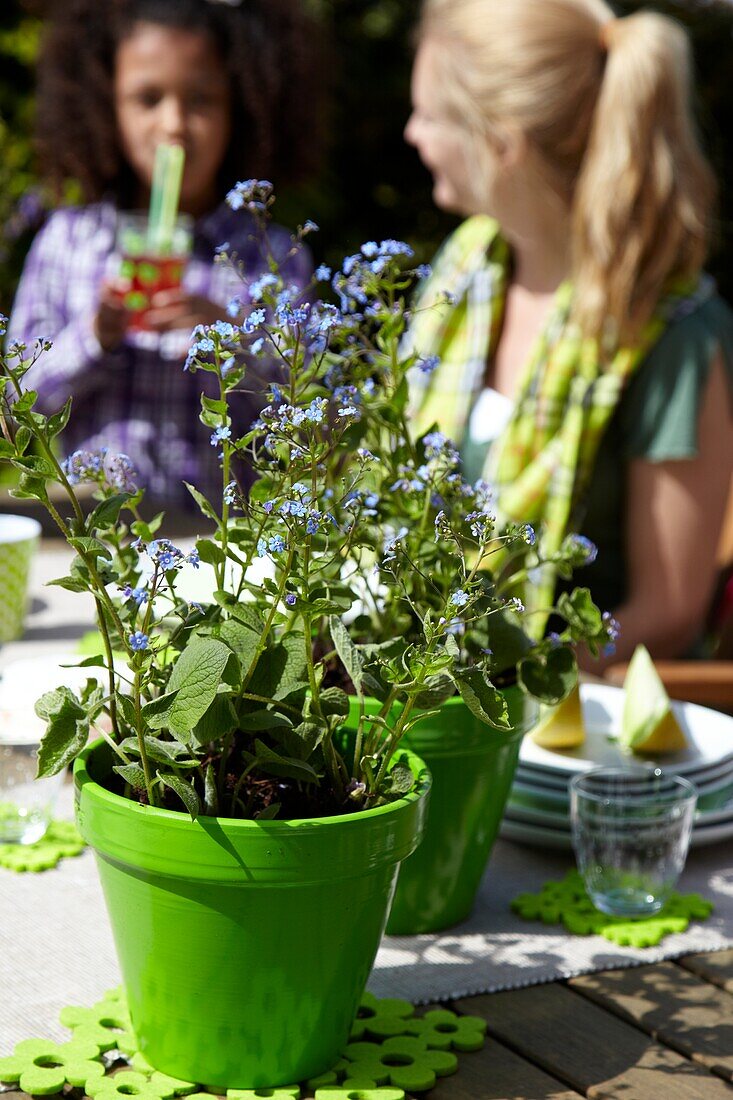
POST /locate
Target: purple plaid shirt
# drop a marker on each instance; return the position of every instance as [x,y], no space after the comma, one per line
[137,398]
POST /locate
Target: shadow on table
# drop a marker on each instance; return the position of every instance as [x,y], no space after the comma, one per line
[69,632]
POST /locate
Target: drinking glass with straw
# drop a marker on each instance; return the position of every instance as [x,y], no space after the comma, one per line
[155,246]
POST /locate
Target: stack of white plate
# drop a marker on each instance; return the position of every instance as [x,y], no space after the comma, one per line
[538,810]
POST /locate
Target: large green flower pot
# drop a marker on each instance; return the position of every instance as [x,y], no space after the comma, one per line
[244,946]
[472,767]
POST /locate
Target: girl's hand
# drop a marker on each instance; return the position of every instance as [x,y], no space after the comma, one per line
[177,309]
[112,319]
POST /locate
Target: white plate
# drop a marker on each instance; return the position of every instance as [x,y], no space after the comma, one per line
[24,681]
[558,781]
[706,784]
[559,816]
[709,734]
[540,836]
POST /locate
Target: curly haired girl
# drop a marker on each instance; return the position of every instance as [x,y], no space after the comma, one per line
[234,85]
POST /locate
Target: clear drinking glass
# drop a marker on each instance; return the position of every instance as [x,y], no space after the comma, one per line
[26,803]
[631,831]
[147,265]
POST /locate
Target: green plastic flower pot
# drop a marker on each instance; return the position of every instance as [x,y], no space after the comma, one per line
[244,946]
[473,768]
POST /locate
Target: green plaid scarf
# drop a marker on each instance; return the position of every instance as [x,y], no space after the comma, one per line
[541,465]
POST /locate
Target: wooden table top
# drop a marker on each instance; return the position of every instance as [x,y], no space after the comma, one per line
[661,1032]
[658,1032]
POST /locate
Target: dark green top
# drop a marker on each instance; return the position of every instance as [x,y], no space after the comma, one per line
[657,419]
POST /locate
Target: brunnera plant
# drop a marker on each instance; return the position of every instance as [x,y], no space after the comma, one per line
[357,566]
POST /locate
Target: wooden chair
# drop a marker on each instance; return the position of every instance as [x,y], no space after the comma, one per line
[708,682]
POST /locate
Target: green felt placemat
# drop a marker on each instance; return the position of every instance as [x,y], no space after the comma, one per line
[60,841]
[390,1050]
[566,902]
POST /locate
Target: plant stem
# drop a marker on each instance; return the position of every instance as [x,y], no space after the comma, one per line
[268,624]
[140,733]
[224,526]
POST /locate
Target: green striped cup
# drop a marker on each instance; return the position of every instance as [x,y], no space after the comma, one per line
[18,540]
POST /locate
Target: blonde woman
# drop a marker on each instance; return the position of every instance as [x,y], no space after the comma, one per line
[584,361]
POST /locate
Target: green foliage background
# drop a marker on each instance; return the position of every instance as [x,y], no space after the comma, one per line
[371,184]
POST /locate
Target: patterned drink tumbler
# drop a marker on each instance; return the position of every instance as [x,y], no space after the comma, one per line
[18,540]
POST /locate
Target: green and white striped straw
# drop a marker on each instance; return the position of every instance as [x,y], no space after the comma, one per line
[165,196]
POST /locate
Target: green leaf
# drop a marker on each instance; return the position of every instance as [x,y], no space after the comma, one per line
[482,698]
[162,752]
[25,402]
[217,720]
[185,792]
[211,795]
[34,464]
[147,531]
[241,611]
[437,690]
[156,713]
[506,639]
[132,774]
[23,437]
[580,612]
[302,741]
[67,730]
[71,584]
[30,488]
[210,552]
[107,513]
[272,763]
[241,639]
[126,705]
[334,700]
[216,406]
[398,782]
[374,686]
[348,653]
[335,597]
[195,678]
[97,661]
[257,721]
[59,701]
[549,677]
[58,420]
[281,670]
[269,813]
[207,508]
[90,546]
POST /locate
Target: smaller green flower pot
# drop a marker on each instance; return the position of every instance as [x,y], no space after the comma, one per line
[473,768]
[244,946]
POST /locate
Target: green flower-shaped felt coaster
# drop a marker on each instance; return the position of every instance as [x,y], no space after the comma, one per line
[284,1092]
[410,1052]
[443,1030]
[107,1024]
[404,1061]
[342,1093]
[381,1019]
[567,902]
[60,841]
[42,1068]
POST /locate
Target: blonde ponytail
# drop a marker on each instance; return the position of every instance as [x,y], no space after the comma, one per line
[642,205]
[606,104]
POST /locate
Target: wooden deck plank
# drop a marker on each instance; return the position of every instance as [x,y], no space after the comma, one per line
[715,967]
[673,1006]
[496,1073]
[589,1048]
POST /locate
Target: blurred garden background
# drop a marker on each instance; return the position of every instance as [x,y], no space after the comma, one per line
[370,184]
